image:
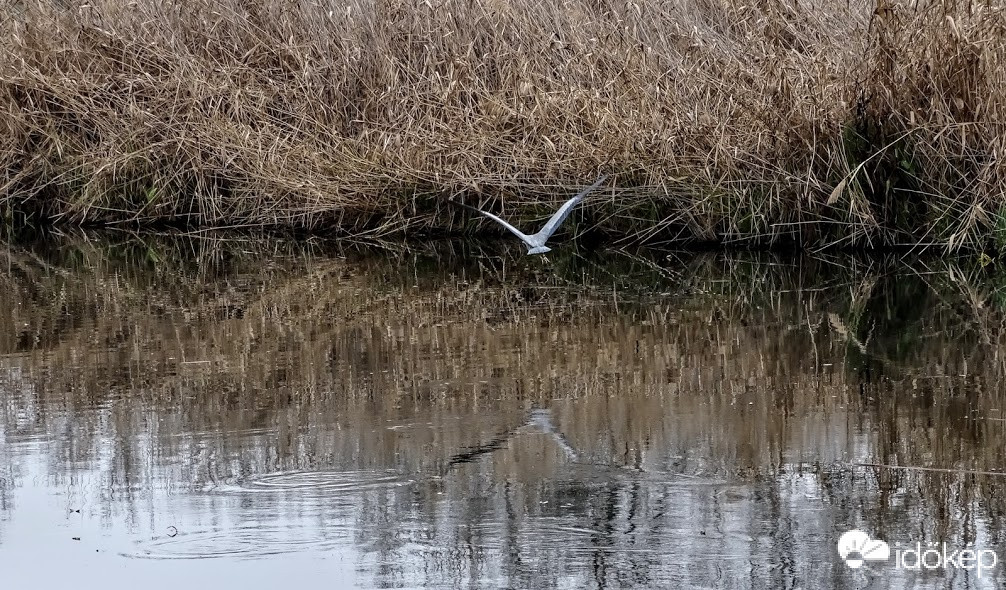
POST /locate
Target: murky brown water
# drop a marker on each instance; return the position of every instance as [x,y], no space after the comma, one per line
[228,413]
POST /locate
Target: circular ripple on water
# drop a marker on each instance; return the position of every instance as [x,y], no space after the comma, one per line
[318,482]
[246,542]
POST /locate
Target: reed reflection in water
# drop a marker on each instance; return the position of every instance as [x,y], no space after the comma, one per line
[255,412]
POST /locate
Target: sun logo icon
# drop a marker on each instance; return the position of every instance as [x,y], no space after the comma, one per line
[856,547]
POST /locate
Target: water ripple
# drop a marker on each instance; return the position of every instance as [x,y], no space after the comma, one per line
[318,482]
[244,542]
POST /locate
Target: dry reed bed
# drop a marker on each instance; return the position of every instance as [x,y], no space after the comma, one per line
[828,122]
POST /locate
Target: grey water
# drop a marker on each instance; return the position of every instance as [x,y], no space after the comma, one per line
[256,412]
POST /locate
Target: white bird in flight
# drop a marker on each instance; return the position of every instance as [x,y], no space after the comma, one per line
[536,242]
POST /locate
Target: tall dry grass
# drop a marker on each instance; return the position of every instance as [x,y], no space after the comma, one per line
[833,122]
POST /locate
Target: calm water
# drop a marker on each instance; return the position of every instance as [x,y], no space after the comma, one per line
[238,413]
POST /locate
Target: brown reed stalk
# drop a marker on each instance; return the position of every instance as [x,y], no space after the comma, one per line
[834,122]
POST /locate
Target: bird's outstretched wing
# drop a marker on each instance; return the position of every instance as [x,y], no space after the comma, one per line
[564,211]
[523,236]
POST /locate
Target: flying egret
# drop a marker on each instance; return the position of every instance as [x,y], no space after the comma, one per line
[536,242]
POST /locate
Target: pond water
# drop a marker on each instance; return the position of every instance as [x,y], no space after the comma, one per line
[256,412]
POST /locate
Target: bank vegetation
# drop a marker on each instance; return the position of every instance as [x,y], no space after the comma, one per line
[846,123]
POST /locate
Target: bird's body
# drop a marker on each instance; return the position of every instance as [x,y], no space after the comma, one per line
[536,242]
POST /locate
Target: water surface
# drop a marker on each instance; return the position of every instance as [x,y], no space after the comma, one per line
[250,413]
